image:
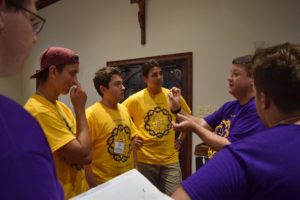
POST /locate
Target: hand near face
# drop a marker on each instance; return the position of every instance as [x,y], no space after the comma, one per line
[174,97]
[78,96]
[186,124]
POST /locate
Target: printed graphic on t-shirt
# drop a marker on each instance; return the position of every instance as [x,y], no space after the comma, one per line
[222,130]
[158,122]
[119,145]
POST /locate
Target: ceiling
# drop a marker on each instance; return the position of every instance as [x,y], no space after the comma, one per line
[43,3]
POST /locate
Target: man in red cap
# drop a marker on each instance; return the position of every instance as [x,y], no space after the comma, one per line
[68,136]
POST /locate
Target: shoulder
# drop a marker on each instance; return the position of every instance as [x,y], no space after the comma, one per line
[122,107]
[64,107]
[95,106]
[134,97]
[230,104]
[138,94]
[19,120]
[165,90]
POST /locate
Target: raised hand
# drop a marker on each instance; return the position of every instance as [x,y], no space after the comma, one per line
[186,124]
[174,97]
[78,96]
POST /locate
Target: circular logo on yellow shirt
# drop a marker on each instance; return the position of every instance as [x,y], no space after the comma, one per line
[119,143]
[158,122]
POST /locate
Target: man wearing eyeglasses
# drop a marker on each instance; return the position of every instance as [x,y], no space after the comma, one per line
[236,119]
[67,135]
[27,169]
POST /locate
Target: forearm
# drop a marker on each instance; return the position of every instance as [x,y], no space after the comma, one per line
[90,178]
[210,138]
[82,134]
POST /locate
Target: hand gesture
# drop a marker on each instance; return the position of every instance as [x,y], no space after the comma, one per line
[78,97]
[186,124]
[174,97]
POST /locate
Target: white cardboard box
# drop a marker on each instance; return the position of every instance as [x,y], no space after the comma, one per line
[131,185]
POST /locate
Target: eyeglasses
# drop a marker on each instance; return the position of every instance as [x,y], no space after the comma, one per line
[38,22]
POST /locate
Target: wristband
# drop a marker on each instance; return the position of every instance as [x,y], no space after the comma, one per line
[180,142]
[176,111]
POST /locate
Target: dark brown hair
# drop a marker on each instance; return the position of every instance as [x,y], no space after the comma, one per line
[276,72]
[103,77]
[147,66]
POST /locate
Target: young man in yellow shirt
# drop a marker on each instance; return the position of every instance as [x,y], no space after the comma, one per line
[150,110]
[111,129]
[68,136]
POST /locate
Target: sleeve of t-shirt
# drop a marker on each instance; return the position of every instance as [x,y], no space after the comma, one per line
[55,129]
[247,124]
[184,105]
[33,178]
[220,178]
[216,117]
[91,124]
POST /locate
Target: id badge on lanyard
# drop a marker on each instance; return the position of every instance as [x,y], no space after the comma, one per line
[119,147]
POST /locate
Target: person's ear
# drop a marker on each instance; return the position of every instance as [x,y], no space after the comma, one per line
[145,80]
[102,89]
[265,101]
[52,71]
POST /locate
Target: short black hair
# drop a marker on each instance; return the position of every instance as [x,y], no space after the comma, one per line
[244,61]
[103,77]
[147,66]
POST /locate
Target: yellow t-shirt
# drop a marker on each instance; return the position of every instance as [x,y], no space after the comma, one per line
[152,117]
[59,126]
[111,132]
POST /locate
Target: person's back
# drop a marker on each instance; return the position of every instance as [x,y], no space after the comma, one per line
[27,170]
[273,170]
[263,166]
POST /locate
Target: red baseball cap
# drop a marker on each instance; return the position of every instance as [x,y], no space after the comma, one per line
[56,56]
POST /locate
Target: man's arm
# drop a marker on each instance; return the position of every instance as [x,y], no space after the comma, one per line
[78,151]
[189,123]
[180,194]
[90,178]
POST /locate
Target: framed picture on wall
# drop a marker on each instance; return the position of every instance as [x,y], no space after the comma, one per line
[177,70]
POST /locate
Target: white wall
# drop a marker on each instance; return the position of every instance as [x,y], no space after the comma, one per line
[215,31]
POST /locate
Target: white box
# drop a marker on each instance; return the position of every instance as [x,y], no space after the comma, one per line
[131,185]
